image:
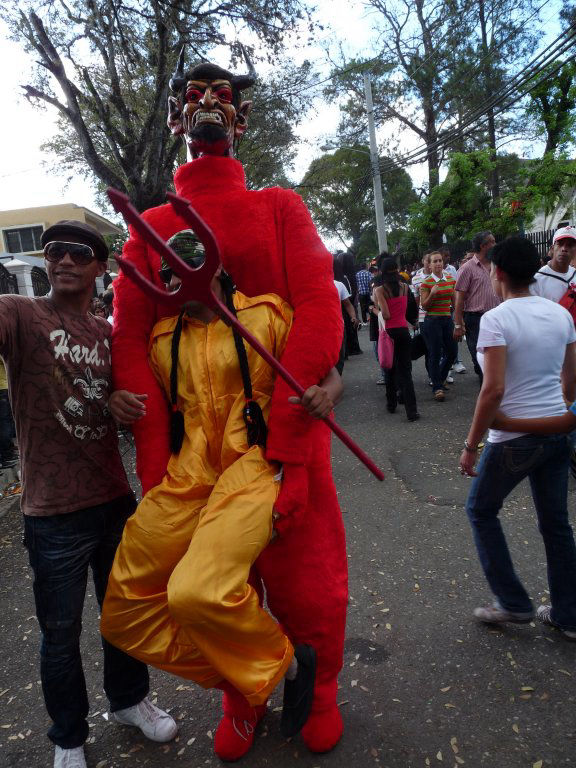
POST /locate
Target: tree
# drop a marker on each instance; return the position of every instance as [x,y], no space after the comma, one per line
[553,107]
[338,189]
[461,205]
[441,62]
[269,145]
[112,61]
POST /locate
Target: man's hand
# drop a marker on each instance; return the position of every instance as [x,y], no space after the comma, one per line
[127,407]
[316,401]
[467,462]
[459,332]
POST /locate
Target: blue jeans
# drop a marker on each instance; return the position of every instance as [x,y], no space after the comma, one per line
[61,548]
[544,459]
[442,349]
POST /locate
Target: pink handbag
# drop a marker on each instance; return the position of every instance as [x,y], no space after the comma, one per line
[385,350]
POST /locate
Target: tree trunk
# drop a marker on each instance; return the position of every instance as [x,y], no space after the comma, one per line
[494,177]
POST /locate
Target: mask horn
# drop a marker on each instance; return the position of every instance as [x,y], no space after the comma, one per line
[246,81]
[178,81]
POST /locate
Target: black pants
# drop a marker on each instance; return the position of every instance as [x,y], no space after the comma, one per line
[364,301]
[62,549]
[472,325]
[400,375]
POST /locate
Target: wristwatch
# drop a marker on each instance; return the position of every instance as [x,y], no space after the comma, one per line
[469,448]
[457,325]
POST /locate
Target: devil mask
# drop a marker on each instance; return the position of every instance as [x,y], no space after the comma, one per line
[206,107]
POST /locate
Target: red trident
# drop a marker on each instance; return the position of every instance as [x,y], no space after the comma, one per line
[195,286]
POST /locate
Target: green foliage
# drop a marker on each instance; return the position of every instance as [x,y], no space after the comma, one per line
[338,189]
[552,108]
[460,205]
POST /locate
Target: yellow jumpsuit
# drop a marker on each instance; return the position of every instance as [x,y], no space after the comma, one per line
[178,596]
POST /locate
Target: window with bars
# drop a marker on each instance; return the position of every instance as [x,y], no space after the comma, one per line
[23,239]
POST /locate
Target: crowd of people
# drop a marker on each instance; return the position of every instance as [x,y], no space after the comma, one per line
[238,496]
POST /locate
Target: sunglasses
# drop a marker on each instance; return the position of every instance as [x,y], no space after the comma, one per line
[79,253]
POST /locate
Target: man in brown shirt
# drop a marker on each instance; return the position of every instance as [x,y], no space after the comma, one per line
[75,495]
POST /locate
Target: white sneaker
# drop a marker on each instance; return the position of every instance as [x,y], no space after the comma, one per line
[152,721]
[544,614]
[69,758]
[449,380]
[459,367]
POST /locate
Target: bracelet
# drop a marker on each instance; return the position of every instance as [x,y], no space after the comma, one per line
[469,448]
[457,325]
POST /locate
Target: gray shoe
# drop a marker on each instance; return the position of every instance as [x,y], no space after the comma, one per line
[495,614]
[544,615]
[69,758]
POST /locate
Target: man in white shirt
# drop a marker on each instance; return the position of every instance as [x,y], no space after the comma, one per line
[553,280]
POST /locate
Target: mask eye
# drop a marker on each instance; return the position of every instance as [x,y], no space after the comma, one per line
[193,95]
[224,94]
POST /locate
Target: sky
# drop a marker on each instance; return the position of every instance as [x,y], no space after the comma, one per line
[26,182]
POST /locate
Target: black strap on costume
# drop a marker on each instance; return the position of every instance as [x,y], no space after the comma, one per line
[253,417]
[252,413]
[176,417]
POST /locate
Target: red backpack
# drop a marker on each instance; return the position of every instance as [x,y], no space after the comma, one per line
[568,301]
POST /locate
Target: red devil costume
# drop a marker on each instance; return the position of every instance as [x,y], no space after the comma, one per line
[270,245]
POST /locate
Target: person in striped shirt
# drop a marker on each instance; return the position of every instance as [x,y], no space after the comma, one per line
[436,298]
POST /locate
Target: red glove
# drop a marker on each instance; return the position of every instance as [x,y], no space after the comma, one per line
[292,499]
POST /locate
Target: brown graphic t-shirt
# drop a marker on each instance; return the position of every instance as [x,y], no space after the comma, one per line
[59,377]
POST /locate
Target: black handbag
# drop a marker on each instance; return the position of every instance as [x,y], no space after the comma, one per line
[418,346]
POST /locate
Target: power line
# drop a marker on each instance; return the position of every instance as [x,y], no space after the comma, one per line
[516,83]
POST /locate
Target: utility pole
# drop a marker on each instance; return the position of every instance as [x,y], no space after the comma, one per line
[378,203]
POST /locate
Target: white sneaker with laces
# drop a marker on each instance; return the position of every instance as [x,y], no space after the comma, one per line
[459,367]
[544,614]
[69,758]
[155,724]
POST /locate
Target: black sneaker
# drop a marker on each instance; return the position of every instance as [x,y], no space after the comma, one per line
[298,693]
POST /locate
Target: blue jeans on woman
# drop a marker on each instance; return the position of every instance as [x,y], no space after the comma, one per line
[442,348]
[61,548]
[544,459]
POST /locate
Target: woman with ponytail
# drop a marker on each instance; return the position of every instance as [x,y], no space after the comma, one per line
[178,595]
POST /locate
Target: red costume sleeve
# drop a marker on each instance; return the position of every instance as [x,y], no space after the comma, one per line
[316,335]
[134,317]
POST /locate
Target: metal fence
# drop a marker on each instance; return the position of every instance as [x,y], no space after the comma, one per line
[542,240]
[8,282]
[40,281]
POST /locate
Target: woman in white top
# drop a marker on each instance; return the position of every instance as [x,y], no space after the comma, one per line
[526,348]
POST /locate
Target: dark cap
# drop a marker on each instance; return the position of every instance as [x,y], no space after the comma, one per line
[83,232]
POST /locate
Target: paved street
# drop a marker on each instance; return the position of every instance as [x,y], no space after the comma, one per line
[422,684]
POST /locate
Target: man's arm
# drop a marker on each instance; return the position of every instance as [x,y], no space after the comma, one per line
[134,318]
[9,318]
[459,329]
[568,374]
[314,341]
